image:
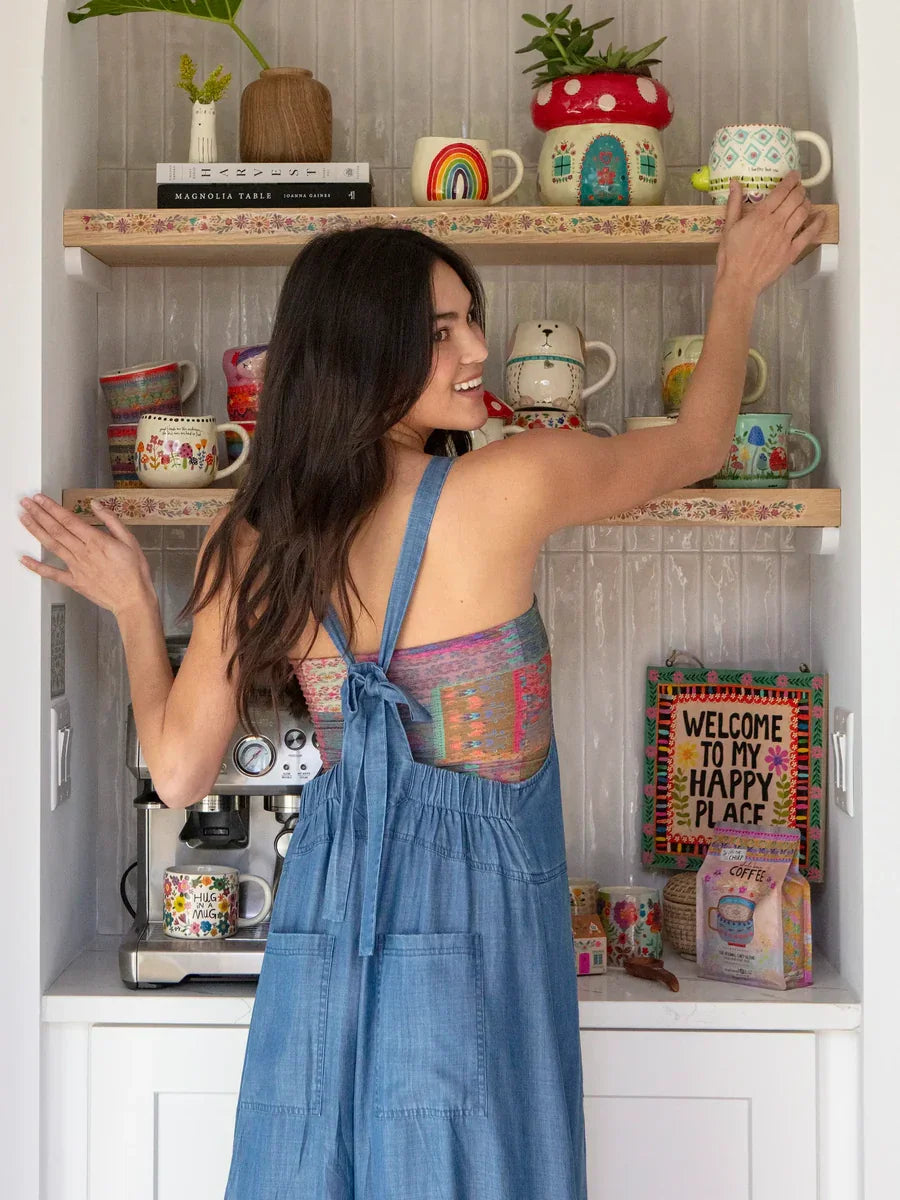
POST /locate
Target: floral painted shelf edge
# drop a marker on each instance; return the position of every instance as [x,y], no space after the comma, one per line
[197,237]
[806,507]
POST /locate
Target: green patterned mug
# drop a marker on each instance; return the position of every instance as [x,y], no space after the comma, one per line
[758,457]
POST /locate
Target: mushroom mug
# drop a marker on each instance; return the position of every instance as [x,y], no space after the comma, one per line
[602,139]
[759,156]
[759,454]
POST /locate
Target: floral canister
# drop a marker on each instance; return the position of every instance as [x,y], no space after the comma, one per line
[602,143]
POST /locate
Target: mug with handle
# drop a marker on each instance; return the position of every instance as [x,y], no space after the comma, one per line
[200,900]
[459,171]
[182,452]
[152,387]
[759,156]
[680,357]
[759,455]
[545,365]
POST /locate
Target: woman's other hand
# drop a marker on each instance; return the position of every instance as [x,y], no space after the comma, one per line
[107,568]
[760,241]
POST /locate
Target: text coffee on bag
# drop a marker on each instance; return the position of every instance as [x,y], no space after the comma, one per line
[753,910]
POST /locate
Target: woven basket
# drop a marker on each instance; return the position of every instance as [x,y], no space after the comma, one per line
[680,913]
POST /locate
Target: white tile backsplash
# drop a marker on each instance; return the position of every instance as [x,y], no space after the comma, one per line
[614,600]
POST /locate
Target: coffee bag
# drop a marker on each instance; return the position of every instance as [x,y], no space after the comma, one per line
[753,908]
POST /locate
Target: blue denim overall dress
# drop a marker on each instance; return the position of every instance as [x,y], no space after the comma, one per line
[415,1029]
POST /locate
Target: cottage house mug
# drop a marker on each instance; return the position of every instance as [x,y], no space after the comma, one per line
[159,388]
[545,366]
[759,453]
[759,156]
[182,452]
[681,355]
[458,171]
[201,901]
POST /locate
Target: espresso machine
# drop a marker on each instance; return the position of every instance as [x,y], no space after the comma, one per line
[245,823]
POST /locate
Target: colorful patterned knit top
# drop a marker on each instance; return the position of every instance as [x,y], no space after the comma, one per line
[488,694]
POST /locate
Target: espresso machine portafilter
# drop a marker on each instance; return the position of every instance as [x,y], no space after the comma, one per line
[246,822]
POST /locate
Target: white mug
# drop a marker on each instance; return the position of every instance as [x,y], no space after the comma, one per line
[680,357]
[760,156]
[182,452]
[458,171]
[545,366]
[201,901]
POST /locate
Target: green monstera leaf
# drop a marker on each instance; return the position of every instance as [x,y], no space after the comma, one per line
[222,12]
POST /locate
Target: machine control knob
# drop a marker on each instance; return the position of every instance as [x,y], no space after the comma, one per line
[254,756]
[295,739]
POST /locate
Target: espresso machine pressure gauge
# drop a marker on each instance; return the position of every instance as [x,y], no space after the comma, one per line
[254,756]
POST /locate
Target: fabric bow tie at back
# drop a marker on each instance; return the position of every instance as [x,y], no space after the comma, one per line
[365,696]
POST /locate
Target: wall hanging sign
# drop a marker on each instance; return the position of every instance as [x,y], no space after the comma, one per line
[732,746]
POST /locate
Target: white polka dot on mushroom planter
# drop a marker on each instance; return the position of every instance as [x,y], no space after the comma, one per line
[606,102]
[572,87]
[647,88]
[542,95]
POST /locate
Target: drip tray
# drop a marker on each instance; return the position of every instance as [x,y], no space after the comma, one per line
[148,957]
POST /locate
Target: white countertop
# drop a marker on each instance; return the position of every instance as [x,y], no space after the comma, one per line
[89,991]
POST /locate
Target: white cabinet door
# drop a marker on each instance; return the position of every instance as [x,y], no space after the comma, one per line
[699,1116]
[163,1102]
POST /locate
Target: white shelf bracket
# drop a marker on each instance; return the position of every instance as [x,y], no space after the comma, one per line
[84,267]
[810,540]
[820,264]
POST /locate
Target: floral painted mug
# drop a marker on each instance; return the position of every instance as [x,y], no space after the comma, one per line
[632,920]
[201,901]
[181,452]
[758,457]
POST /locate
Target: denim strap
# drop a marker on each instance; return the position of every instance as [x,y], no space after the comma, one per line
[370,725]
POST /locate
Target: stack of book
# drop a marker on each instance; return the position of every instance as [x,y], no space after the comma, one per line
[263,185]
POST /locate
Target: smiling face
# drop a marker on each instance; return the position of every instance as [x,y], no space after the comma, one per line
[454,395]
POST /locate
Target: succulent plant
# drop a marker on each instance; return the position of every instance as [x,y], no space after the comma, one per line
[565,45]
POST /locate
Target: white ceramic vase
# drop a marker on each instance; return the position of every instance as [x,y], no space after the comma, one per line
[203,147]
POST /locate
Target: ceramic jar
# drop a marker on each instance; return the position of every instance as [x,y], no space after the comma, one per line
[285,117]
[244,367]
[602,143]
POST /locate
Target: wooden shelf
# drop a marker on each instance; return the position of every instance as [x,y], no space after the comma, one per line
[795,507]
[489,236]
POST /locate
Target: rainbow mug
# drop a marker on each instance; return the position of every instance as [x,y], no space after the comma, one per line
[458,171]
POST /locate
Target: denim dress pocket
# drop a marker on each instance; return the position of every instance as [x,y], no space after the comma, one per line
[429,1025]
[285,1059]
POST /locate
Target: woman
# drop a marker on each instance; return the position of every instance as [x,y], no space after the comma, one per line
[415,1031]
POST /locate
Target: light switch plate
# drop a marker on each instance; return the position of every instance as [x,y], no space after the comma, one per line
[842,728]
[57,650]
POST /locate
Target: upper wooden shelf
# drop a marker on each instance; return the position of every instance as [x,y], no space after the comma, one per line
[489,236]
[785,507]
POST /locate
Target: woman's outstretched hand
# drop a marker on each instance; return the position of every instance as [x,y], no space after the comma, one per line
[760,241]
[107,568]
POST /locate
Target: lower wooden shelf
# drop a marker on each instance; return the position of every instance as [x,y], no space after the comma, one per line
[799,507]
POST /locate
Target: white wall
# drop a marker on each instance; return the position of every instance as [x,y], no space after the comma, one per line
[20,630]
[878,25]
[70,833]
[835,384]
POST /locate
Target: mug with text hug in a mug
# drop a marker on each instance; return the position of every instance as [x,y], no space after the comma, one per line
[202,901]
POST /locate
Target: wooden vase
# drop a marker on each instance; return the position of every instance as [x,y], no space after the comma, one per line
[285,117]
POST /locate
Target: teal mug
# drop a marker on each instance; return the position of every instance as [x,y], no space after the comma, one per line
[758,457]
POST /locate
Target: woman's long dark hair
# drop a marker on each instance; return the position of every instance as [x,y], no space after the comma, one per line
[351,351]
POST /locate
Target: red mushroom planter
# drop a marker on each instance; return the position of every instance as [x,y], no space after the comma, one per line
[602,143]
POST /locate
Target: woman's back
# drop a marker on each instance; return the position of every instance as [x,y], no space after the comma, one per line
[472,650]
